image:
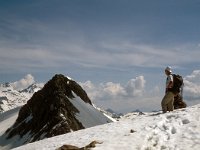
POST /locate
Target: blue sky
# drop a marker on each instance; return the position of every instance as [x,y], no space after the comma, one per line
[107,41]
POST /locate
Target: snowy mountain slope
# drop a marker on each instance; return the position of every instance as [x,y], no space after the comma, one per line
[88,115]
[7,119]
[177,130]
[11,98]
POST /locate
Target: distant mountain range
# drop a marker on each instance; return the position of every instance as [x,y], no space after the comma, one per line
[11,98]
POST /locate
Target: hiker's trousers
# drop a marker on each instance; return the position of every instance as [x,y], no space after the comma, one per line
[168,102]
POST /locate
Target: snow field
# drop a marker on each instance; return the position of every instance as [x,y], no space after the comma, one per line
[177,130]
[174,131]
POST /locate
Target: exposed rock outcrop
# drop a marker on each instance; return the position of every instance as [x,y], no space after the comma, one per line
[87,147]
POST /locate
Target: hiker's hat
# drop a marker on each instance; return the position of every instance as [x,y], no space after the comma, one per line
[168,68]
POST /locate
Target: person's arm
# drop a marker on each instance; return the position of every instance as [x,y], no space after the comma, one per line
[170,85]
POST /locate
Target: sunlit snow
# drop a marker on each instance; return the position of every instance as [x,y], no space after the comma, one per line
[177,130]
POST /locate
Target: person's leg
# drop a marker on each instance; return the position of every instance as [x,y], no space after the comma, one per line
[171,102]
[165,101]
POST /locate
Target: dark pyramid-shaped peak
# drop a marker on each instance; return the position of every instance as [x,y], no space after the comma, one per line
[51,111]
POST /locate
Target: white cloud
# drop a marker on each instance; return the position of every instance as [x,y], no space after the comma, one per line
[103,91]
[112,89]
[135,87]
[192,86]
[23,83]
[194,77]
[119,97]
[90,88]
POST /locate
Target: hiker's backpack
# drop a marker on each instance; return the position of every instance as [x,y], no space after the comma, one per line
[178,83]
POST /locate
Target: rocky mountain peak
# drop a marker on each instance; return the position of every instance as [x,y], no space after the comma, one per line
[53,111]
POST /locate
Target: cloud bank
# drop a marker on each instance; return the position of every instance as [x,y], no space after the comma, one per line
[132,95]
[134,87]
[129,96]
[119,97]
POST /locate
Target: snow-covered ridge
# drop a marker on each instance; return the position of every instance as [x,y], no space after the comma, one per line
[177,130]
[11,98]
[33,88]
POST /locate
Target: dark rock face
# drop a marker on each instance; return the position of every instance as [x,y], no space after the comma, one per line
[49,112]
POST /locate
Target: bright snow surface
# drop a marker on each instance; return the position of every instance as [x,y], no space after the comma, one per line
[88,115]
[177,130]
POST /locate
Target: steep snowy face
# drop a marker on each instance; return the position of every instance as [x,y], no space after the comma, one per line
[61,106]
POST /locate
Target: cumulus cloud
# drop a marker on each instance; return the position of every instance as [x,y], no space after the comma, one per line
[135,87]
[112,89]
[192,86]
[103,91]
[115,95]
[90,88]
[24,82]
[194,77]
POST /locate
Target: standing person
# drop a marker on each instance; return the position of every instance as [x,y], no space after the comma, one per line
[168,99]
